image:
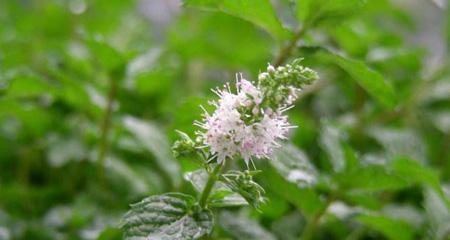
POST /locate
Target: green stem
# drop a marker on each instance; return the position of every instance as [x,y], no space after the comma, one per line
[286,51]
[210,184]
[104,130]
[308,231]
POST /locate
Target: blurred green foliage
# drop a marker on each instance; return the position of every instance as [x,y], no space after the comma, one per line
[91,93]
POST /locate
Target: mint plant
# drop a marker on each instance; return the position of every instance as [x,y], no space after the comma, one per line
[93,93]
[248,123]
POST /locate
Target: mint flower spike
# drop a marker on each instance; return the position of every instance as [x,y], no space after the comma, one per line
[249,122]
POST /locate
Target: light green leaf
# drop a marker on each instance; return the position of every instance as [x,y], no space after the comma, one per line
[392,228]
[448,29]
[330,140]
[24,85]
[154,141]
[406,212]
[242,183]
[304,199]
[108,57]
[415,172]
[289,227]
[441,120]
[399,142]
[319,11]
[372,81]
[137,182]
[221,195]
[370,178]
[438,213]
[293,163]
[258,12]
[65,149]
[166,217]
[242,228]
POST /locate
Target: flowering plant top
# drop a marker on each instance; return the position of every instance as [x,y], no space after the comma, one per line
[249,121]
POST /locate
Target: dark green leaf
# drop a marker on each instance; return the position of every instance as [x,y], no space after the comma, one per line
[170,216]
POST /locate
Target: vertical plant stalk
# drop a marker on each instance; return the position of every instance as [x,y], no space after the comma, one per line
[104,130]
[213,176]
[308,231]
[282,56]
[286,51]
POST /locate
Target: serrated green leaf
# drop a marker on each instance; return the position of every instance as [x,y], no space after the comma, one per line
[242,228]
[293,164]
[258,12]
[170,216]
[372,81]
[315,12]
[394,229]
[221,195]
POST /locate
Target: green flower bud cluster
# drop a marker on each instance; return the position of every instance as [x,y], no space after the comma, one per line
[185,146]
[242,183]
[280,84]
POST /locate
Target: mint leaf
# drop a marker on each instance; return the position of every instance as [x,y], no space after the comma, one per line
[315,12]
[394,229]
[171,216]
[293,163]
[242,228]
[372,81]
[258,12]
[150,138]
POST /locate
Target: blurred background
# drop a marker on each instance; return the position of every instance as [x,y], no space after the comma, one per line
[92,91]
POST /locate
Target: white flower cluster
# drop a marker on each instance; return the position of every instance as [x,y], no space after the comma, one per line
[241,125]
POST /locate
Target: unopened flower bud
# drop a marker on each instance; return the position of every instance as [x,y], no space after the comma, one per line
[183,147]
[263,76]
[255,110]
